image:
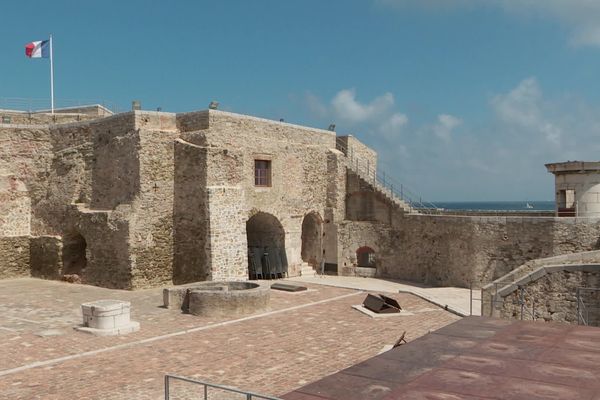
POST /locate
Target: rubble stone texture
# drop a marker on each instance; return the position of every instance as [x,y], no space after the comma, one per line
[145,199]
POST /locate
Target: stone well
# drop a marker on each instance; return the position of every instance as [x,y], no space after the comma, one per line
[107,318]
[219,299]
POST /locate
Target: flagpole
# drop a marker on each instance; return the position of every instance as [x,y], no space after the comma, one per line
[51,77]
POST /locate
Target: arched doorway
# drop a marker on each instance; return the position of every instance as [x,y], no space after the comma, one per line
[266,247]
[74,254]
[365,257]
[312,239]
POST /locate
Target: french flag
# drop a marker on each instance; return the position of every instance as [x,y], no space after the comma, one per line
[40,49]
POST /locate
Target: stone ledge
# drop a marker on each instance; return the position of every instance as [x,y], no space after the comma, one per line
[543,271]
[366,311]
[132,326]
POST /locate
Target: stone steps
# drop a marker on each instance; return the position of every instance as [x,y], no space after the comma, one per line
[404,206]
[307,270]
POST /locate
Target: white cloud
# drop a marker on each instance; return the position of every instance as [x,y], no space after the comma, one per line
[580,17]
[522,108]
[315,105]
[445,125]
[393,126]
[347,108]
[520,105]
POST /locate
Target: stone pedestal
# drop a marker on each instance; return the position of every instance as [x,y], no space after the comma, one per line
[107,318]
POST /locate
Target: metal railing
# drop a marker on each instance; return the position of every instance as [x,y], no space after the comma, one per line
[497,301]
[206,386]
[523,303]
[471,299]
[583,309]
[382,180]
[43,104]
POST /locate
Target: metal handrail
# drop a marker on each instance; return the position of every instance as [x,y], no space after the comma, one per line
[582,309]
[523,303]
[206,385]
[383,181]
[43,104]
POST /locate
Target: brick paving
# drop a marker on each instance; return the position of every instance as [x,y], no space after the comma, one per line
[305,337]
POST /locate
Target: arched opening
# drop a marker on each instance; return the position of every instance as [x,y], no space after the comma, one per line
[312,236]
[74,254]
[266,247]
[365,257]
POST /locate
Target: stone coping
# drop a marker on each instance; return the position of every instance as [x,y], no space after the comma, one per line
[546,270]
[583,258]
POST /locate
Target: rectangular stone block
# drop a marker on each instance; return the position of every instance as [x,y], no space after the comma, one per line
[106,314]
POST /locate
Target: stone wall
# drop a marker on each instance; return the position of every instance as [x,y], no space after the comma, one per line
[14,256]
[365,203]
[552,296]
[15,207]
[489,291]
[458,251]
[26,154]
[109,262]
[45,253]
[357,151]
[227,221]
[116,169]
[151,215]
[151,198]
[59,117]
[301,171]
[190,214]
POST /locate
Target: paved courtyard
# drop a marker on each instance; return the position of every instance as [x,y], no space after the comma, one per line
[304,337]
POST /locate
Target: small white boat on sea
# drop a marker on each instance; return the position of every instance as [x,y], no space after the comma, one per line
[529,205]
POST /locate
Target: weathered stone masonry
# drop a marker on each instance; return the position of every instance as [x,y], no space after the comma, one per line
[144,199]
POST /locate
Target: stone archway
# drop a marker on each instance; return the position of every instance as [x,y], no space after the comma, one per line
[366,263]
[312,239]
[365,257]
[266,247]
[74,255]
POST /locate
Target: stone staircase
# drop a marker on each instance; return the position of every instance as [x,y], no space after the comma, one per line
[384,191]
[307,270]
[382,183]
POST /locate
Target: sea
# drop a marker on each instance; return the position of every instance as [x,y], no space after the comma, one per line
[542,205]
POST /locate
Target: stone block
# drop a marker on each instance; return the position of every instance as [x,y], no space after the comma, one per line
[537,274]
[175,297]
[107,318]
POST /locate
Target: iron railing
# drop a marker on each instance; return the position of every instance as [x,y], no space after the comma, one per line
[583,309]
[497,301]
[383,181]
[42,104]
[471,299]
[522,301]
[206,386]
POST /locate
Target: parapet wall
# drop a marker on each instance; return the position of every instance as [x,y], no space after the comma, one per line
[354,149]
[550,293]
[15,207]
[14,257]
[35,118]
[460,251]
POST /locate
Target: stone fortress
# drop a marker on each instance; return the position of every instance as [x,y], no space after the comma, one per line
[144,199]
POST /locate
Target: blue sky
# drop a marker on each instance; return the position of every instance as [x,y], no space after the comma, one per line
[463,99]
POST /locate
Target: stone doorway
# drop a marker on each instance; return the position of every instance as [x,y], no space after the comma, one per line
[74,255]
[365,257]
[267,258]
[366,264]
[312,239]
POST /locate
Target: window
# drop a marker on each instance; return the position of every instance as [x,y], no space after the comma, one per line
[566,198]
[262,172]
[365,257]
